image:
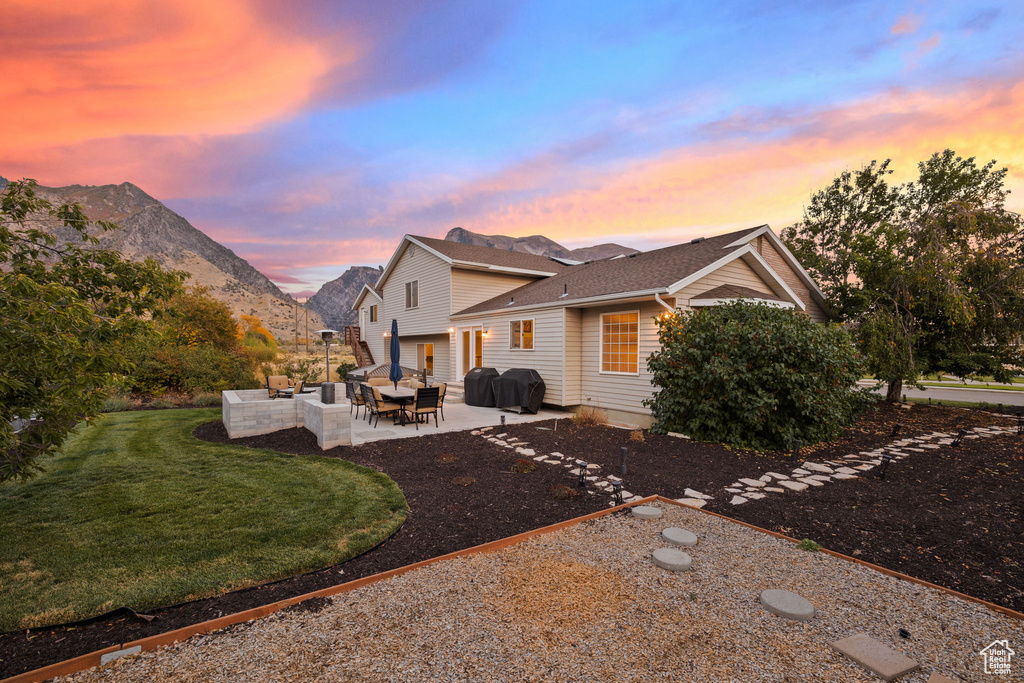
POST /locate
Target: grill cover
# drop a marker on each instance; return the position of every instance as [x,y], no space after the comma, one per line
[478,387]
[519,389]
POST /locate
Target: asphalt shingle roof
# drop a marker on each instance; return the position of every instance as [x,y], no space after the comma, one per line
[649,270]
[491,256]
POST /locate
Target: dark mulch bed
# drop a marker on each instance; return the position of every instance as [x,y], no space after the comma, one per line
[667,465]
[444,517]
[951,517]
[448,512]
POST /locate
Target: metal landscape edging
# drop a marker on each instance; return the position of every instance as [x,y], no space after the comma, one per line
[87,661]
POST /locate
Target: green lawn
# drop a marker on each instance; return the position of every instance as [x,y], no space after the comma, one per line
[1008,409]
[960,385]
[137,512]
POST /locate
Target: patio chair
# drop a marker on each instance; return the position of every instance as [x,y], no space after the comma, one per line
[443,389]
[378,381]
[355,397]
[276,386]
[424,405]
[376,406]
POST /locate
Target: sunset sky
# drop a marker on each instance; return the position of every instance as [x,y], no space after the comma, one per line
[310,136]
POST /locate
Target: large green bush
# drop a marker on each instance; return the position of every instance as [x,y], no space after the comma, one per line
[754,376]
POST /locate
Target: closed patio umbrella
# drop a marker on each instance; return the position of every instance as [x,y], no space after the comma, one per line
[396,351]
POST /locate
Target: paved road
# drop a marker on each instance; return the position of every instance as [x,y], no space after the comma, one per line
[1010,398]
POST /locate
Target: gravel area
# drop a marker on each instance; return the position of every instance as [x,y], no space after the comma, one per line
[586,603]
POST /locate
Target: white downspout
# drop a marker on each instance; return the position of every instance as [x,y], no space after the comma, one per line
[657,297]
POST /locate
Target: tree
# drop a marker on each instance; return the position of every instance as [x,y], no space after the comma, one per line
[929,274]
[754,376]
[68,312]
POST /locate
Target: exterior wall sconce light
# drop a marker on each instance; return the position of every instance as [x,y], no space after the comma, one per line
[484,333]
[451,330]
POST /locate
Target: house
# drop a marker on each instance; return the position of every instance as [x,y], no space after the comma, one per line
[587,328]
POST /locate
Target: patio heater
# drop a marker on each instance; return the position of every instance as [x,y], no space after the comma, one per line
[327,387]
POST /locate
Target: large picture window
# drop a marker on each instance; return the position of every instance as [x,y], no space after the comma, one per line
[412,294]
[520,335]
[620,342]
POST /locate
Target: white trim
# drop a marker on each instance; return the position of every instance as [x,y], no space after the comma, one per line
[407,297]
[707,270]
[749,236]
[399,252]
[762,268]
[533,334]
[362,294]
[791,260]
[600,344]
[473,265]
[765,302]
[562,303]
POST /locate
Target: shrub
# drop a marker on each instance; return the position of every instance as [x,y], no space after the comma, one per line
[563,492]
[205,399]
[637,435]
[118,404]
[305,369]
[524,466]
[344,369]
[589,416]
[754,376]
[190,369]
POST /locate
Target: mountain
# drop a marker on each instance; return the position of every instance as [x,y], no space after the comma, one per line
[333,302]
[538,244]
[150,229]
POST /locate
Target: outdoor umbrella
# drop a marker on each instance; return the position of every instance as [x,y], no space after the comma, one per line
[396,352]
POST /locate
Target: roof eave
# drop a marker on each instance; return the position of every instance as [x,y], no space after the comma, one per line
[618,296]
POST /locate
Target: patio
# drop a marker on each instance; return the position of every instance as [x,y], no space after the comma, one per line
[251,412]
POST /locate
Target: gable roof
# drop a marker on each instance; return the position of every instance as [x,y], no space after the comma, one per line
[366,289]
[736,292]
[472,254]
[643,273]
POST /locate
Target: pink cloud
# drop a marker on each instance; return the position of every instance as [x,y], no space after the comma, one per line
[908,23]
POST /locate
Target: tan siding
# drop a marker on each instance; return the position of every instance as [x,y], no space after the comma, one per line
[434,276]
[617,392]
[572,370]
[470,287]
[547,353]
[373,333]
[441,355]
[736,272]
[770,254]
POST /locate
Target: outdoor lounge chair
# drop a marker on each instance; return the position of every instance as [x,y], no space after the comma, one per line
[277,385]
[424,405]
[355,397]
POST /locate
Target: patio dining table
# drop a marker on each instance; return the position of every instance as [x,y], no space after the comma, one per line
[400,395]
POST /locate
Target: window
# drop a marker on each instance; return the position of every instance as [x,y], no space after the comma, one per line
[425,358]
[412,294]
[373,314]
[520,335]
[620,348]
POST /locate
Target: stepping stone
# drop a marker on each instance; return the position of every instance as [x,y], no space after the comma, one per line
[756,483]
[678,536]
[475,432]
[502,435]
[801,472]
[939,678]
[735,490]
[787,604]
[491,439]
[593,467]
[765,478]
[690,493]
[812,482]
[544,458]
[794,485]
[671,559]
[626,495]
[692,502]
[526,451]
[486,429]
[846,470]
[738,500]
[929,445]
[557,454]
[773,489]
[553,462]
[875,657]
[844,476]
[754,495]
[820,477]
[864,468]
[916,450]
[815,467]
[776,475]
[590,478]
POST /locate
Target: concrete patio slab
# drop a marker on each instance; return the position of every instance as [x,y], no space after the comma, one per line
[457,417]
